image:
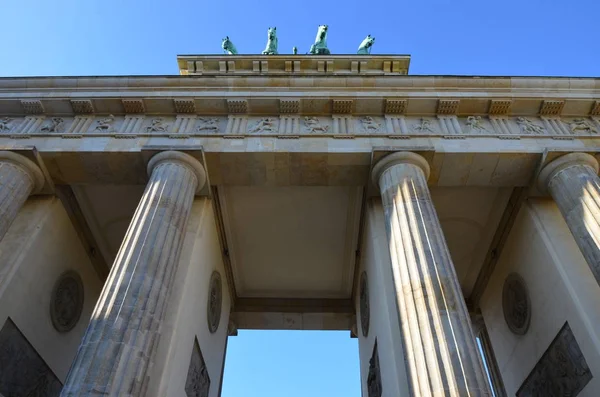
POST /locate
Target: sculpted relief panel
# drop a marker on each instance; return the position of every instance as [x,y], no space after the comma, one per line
[197,383]
[562,370]
[347,126]
[22,371]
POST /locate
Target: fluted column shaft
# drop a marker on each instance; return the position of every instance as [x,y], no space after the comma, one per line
[116,351]
[441,352]
[572,181]
[19,177]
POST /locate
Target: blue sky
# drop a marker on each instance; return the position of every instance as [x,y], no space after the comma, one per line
[129,37]
[112,37]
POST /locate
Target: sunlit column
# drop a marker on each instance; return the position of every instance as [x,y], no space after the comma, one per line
[572,181]
[118,345]
[441,352]
[19,177]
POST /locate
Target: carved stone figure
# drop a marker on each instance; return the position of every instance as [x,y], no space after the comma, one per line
[23,372]
[271,48]
[424,126]
[105,124]
[157,125]
[561,371]
[374,386]
[313,125]
[228,46]
[54,125]
[295,50]
[516,304]
[365,311]
[208,124]
[197,383]
[474,123]
[5,124]
[370,124]
[215,298]
[66,302]
[320,45]
[268,124]
[529,127]
[365,46]
[581,125]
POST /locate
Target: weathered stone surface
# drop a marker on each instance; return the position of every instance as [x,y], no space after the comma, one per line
[562,370]
[572,181]
[197,383]
[22,371]
[19,177]
[441,353]
[118,346]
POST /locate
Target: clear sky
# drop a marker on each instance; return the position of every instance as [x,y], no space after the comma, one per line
[113,37]
[128,37]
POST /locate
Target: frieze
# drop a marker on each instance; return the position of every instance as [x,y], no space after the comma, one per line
[297,126]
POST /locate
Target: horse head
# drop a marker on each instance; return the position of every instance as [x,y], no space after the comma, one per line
[272,33]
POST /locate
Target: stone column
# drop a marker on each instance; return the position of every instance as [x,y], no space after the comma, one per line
[441,353]
[572,181]
[19,177]
[118,345]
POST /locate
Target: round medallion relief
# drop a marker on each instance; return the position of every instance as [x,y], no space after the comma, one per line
[66,302]
[365,311]
[516,304]
[215,296]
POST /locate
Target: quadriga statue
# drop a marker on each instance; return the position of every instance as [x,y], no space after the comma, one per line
[365,47]
[271,48]
[320,46]
[228,46]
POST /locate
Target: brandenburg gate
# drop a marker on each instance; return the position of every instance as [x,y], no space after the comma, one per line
[450,223]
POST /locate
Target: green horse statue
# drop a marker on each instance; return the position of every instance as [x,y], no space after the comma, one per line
[228,46]
[271,48]
[320,46]
[365,47]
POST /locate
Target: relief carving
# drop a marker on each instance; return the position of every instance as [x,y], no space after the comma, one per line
[374,387]
[215,298]
[562,370]
[157,125]
[529,127]
[22,371]
[5,124]
[313,125]
[423,126]
[66,303]
[54,125]
[365,311]
[208,124]
[105,124]
[516,304]
[369,124]
[475,124]
[197,383]
[581,125]
[268,124]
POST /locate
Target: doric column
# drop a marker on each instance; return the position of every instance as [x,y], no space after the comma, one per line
[117,348]
[19,177]
[572,181]
[441,353]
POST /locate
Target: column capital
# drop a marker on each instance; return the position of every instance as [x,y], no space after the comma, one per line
[27,165]
[172,156]
[568,160]
[399,158]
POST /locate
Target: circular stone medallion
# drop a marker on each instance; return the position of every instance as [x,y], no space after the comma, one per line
[365,311]
[66,302]
[215,295]
[516,304]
